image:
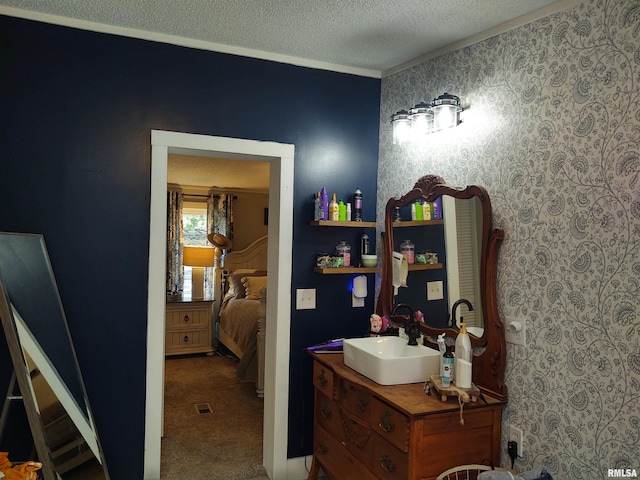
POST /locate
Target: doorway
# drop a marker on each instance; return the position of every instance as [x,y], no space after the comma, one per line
[280,231]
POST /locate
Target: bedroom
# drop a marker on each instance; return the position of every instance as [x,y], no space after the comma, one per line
[197,178]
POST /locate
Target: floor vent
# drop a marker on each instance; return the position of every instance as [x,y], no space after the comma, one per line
[203,408]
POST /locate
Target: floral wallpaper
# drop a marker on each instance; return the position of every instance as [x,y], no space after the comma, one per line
[551,129]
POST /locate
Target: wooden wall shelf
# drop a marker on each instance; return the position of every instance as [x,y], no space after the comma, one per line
[425,266]
[350,223]
[345,270]
[417,223]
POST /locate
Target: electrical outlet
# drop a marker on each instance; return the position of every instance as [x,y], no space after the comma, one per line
[515,331]
[435,291]
[305,299]
[516,435]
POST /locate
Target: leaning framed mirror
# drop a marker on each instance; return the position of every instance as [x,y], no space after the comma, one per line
[452,274]
[45,370]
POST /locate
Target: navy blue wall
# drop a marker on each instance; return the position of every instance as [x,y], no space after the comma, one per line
[77,110]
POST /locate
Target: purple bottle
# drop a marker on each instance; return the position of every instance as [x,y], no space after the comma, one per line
[437,209]
[324,203]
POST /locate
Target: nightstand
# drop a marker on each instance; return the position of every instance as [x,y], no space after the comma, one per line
[188,326]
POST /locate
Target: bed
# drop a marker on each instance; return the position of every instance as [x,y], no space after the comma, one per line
[242,316]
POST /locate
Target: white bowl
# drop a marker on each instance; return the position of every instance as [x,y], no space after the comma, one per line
[369,260]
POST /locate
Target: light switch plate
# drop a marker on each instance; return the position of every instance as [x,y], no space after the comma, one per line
[435,290]
[305,299]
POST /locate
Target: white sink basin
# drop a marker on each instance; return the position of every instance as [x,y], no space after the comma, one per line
[390,361]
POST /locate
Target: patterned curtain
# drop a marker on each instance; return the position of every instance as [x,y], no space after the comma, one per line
[175,240]
[222,215]
[219,220]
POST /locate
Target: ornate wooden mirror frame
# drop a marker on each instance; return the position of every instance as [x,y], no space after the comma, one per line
[490,348]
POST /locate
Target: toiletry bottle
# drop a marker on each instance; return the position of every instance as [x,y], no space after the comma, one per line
[348,211]
[344,249]
[418,211]
[342,211]
[317,208]
[408,250]
[324,204]
[447,368]
[397,217]
[333,209]
[357,205]
[437,209]
[442,348]
[426,211]
[463,358]
[413,211]
[364,244]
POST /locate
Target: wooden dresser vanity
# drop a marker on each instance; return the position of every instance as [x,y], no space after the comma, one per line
[363,430]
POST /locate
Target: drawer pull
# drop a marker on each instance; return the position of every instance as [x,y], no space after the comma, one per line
[186,319]
[321,379]
[387,464]
[322,448]
[325,411]
[186,339]
[385,423]
[362,404]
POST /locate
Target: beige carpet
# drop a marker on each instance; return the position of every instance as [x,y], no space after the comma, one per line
[225,444]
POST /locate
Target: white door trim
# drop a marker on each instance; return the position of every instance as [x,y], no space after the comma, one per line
[276,395]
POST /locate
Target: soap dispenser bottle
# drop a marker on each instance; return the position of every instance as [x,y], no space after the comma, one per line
[463,358]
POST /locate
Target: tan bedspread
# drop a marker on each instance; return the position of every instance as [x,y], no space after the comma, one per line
[239,320]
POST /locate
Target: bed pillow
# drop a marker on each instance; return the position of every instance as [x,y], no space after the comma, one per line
[252,286]
[235,281]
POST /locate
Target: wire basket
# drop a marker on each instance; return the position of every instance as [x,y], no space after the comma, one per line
[466,472]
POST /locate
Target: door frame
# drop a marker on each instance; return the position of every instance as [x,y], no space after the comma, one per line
[280,231]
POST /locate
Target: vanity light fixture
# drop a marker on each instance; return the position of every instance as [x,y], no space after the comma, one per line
[443,112]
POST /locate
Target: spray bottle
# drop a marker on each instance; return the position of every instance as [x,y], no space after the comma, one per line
[357,205]
[324,204]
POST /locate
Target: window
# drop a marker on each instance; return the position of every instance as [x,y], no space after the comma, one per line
[194,226]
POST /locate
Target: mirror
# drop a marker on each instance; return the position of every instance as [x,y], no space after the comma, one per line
[466,248]
[45,368]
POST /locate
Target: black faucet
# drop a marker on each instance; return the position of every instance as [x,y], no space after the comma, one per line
[452,320]
[413,330]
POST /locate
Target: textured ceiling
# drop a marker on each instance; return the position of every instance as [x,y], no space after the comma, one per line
[217,174]
[369,37]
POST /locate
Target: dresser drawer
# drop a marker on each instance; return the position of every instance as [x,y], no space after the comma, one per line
[327,415]
[183,340]
[387,460]
[192,317]
[478,439]
[323,379]
[336,460]
[355,399]
[357,436]
[390,424]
